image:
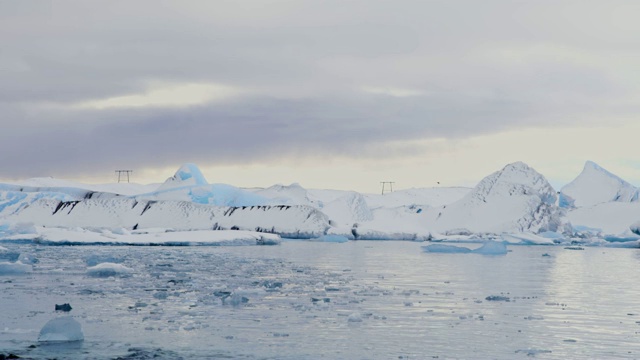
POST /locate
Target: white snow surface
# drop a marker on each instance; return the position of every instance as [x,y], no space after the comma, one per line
[514,199]
[288,221]
[595,185]
[610,218]
[514,204]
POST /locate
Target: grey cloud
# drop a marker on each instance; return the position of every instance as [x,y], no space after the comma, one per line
[307,61]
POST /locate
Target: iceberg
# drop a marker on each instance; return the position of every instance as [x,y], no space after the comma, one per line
[487,248]
[104,270]
[61,329]
[17,268]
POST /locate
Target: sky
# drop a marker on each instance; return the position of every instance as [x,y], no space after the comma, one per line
[338,94]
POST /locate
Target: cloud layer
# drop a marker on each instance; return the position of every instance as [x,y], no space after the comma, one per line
[87,86]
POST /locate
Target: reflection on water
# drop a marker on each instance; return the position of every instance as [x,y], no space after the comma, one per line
[357,300]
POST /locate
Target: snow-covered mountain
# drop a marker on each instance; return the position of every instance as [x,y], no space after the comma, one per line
[514,199]
[595,185]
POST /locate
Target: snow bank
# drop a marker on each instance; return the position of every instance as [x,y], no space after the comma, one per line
[287,221]
[62,329]
[80,236]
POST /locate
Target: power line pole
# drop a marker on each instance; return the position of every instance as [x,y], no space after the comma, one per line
[124,174]
[384,183]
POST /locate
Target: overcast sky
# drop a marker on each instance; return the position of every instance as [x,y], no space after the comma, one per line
[331,94]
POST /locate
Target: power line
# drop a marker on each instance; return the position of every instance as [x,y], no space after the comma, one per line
[124,175]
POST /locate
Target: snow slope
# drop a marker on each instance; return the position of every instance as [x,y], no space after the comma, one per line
[596,185]
[610,218]
[514,199]
[434,197]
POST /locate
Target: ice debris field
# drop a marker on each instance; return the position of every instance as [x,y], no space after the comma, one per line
[310,300]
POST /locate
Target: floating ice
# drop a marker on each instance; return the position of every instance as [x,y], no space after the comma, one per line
[8,255]
[355,317]
[27,259]
[491,248]
[17,268]
[448,249]
[107,269]
[61,329]
[94,260]
[333,239]
[488,248]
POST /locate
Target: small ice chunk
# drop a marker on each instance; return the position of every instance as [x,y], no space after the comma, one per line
[107,269]
[94,260]
[488,248]
[8,255]
[28,259]
[61,329]
[355,317]
[448,249]
[17,268]
[235,299]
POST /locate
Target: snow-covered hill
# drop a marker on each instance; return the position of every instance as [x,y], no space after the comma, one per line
[595,185]
[189,184]
[288,221]
[514,199]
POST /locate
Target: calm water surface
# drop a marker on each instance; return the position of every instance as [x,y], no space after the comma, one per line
[305,300]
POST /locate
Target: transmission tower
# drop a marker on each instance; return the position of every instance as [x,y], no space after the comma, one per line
[384,186]
[124,175]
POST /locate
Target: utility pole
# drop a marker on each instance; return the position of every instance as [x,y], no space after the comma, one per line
[124,175]
[384,183]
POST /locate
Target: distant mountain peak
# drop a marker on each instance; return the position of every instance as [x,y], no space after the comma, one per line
[515,198]
[596,185]
[516,178]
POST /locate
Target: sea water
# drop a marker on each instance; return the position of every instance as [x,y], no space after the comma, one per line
[312,300]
